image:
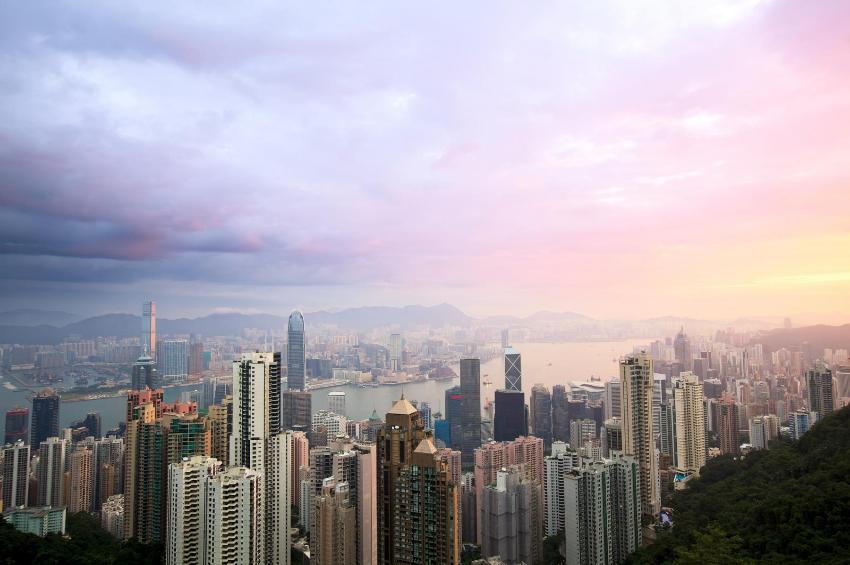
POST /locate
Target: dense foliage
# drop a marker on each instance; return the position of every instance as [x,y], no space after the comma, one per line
[789,504]
[85,543]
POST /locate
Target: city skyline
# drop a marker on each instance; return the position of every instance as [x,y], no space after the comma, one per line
[625,159]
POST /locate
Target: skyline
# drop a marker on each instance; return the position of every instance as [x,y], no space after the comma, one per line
[618,160]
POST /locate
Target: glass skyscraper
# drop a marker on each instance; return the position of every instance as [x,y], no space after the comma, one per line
[149,329]
[295,352]
[470,389]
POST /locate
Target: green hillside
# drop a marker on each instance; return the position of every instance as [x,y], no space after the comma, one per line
[789,504]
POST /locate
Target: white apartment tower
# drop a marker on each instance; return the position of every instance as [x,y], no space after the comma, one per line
[278,492]
[233,520]
[690,422]
[185,539]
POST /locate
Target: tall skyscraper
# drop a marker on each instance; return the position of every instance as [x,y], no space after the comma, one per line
[144,374]
[172,360]
[16,469]
[196,359]
[454,417]
[636,384]
[149,329]
[45,416]
[682,350]
[820,391]
[690,422]
[296,410]
[296,346]
[234,526]
[395,352]
[470,390]
[401,434]
[253,399]
[510,422]
[556,468]
[107,470]
[541,414]
[50,475]
[278,495]
[560,414]
[187,499]
[17,425]
[81,480]
[612,399]
[763,430]
[728,432]
[334,530]
[144,469]
[511,515]
[513,369]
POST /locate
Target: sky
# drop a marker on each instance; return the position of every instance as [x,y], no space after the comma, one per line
[619,159]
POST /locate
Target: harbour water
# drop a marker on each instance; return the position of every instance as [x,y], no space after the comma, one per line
[546,363]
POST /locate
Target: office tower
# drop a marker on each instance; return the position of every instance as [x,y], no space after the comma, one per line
[819,391]
[149,330]
[511,515]
[690,423]
[602,512]
[682,350]
[80,481]
[636,385]
[187,497]
[37,521]
[172,360]
[506,338]
[50,472]
[107,470]
[712,388]
[454,417]
[763,430]
[556,468]
[334,532]
[612,399]
[195,362]
[144,470]
[208,388]
[612,437]
[296,410]
[112,515]
[45,416]
[220,418]
[296,352]
[429,499]
[728,433]
[400,435]
[278,494]
[144,374]
[336,402]
[253,389]
[470,390]
[395,352]
[510,422]
[798,423]
[560,414]
[513,369]
[17,425]
[16,469]
[541,414]
[234,518]
[842,382]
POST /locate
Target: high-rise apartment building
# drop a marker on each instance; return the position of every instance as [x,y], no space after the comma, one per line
[254,390]
[17,425]
[636,385]
[612,437]
[513,369]
[196,359]
[149,329]
[819,391]
[612,399]
[296,346]
[470,389]
[144,468]
[45,416]
[220,418]
[511,516]
[107,470]
[728,427]
[763,430]
[50,473]
[112,515]
[172,360]
[300,458]
[234,527]
[798,423]
[690,423]
[556,468]
[541,414]
[510,421]
[185,538]
[16,469]
[334,530]
[81,480]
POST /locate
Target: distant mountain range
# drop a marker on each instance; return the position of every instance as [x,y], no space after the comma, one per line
[815,338]
[44,327]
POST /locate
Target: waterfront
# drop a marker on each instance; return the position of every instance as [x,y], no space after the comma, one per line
[547,363]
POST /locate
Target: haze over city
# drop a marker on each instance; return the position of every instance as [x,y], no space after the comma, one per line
[616,159]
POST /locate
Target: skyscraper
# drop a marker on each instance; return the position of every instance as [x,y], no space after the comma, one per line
[144,374]
[45,416]
[144,469]
[172,360]
[560,414]
[278,494]
[196,359]
[556,468]
[682,350]
[511,515]
[80,481]
[541,414]
[395,352]
[234,518]
[296,410]
[16,468]
[17,425]
[296,352]
[728,433]
[510,422]
[187,497]
[454,417]
[820,391]
[470,389]
[690,422]
[50,473]
[513,369]
[636,385]
[253,387]
[149,329]
[334,530]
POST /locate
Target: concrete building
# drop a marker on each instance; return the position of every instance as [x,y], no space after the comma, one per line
[510,420]
[16,469]
[45,417]
[395,352]
[511,516]
[185,539]
[112,515]
[336,402]
[256,395]
[819,391]
[556,468]
[149,329]
[334,532]
[234,528]
[690,423]
[470,385]
[17,425]
[278,498]
[50,473]
[728,426]
[37,520]
[637,383]
[81,480]
[763,430]
[172,360]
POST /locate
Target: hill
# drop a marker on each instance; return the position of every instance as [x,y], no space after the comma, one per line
[817,337]
[33,317]
[788,504]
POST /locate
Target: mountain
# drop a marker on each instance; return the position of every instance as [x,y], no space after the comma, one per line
[788,504]
[818,337]
[371,317]
[33,317]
